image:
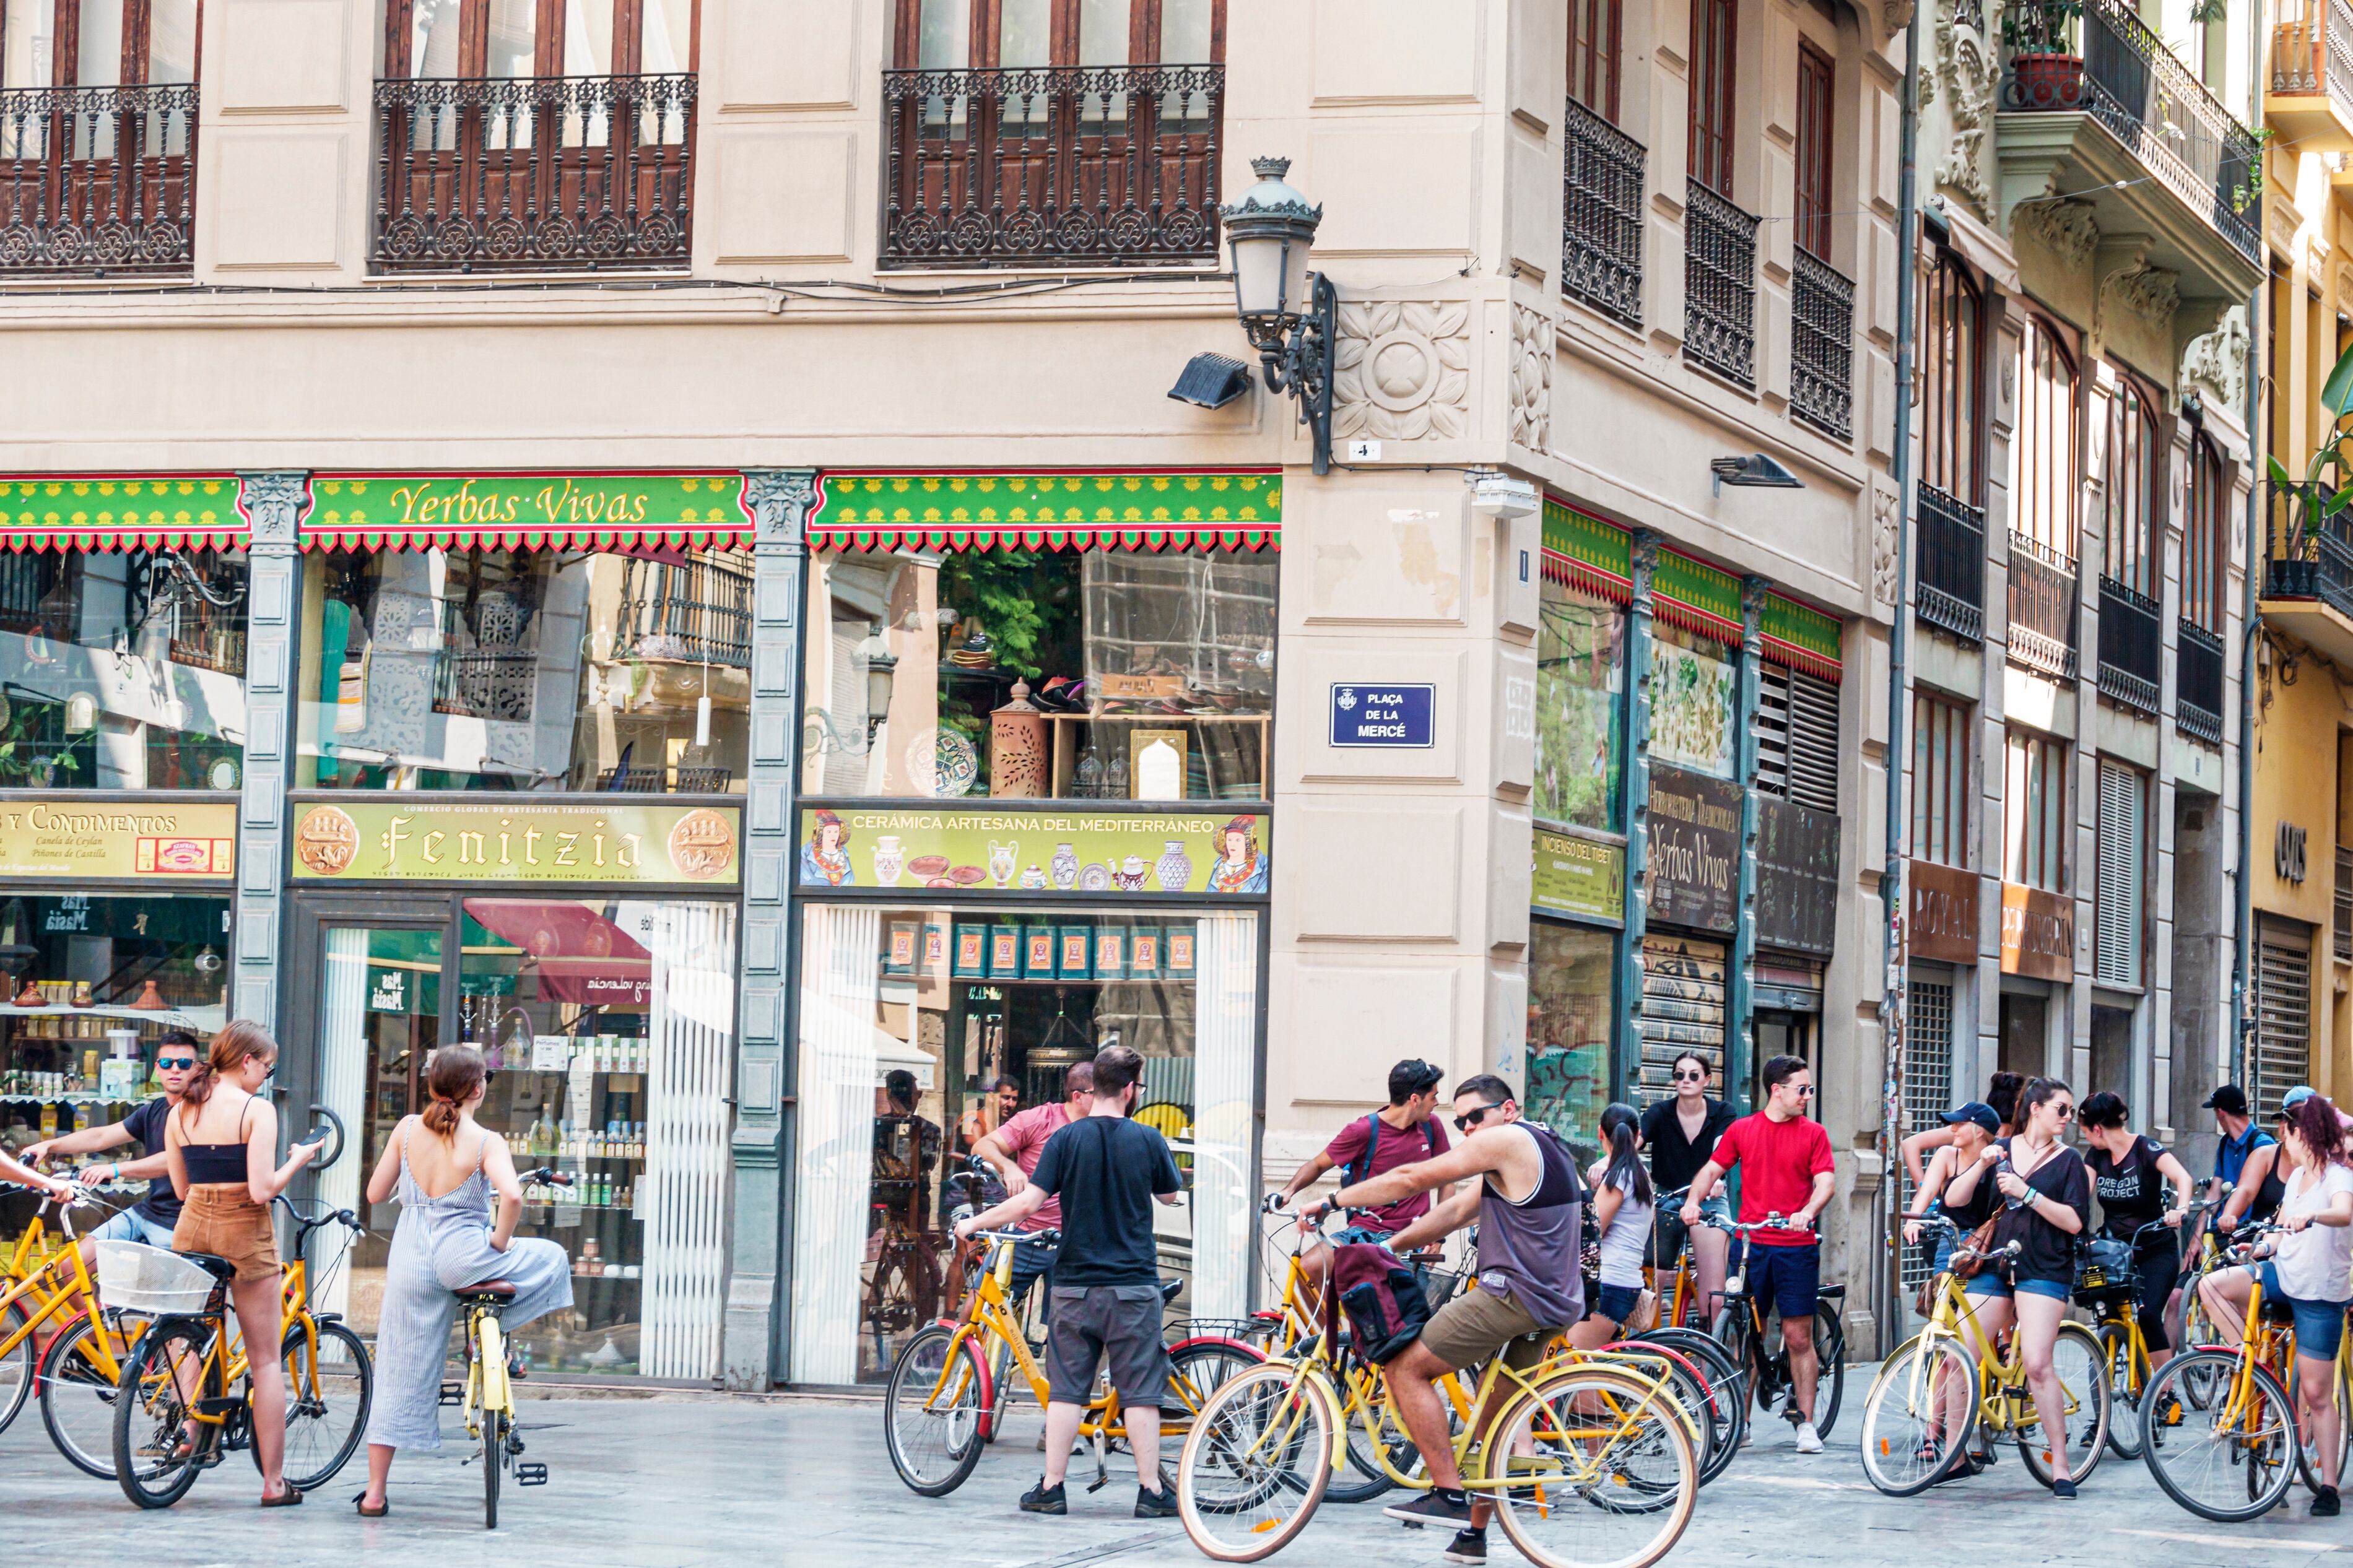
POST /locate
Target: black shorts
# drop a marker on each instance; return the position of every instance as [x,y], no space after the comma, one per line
[1121,1321]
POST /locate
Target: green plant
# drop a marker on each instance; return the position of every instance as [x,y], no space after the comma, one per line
[2319,498]
[2040,26]
[1028,603]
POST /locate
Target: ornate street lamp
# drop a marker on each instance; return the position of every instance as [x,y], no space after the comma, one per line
[1289,313]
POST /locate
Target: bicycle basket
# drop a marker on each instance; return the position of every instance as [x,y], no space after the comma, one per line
[133,1278]
[2105,1268]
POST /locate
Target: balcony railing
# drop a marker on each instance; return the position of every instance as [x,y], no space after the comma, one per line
[1950,588]
[696,613]
[2149,101]
[1719,285]
[1601,217]
[2314,52]
[2198,682]
[1822,346]
[2042,609]
[2308,557]
[98,180]
[1086,165]
[554,173]
[2129,640]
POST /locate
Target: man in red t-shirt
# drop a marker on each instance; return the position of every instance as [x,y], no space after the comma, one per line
[1015,1148]
[1785,1169]
[1408,1131]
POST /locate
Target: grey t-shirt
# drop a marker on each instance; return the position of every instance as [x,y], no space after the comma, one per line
[1623,1243]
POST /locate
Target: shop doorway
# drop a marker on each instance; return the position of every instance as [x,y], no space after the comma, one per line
[1785,1035]
[2025,1035]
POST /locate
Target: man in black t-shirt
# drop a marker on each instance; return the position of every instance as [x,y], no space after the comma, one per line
[1107,1170]
[153,1219]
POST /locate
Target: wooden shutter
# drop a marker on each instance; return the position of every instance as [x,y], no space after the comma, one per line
[1683,1008]
[2116,932]
[1927,1084]
[1797,726]
[1815,77]
[1772,726]
[2283,1013]
[1713,40]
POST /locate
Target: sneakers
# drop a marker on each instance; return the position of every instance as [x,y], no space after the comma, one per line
[2324,1504]
[2064,1490]
[1436,1506]
[1808,1440]
[1043,1499]
[1468,1546]
[1155,1505]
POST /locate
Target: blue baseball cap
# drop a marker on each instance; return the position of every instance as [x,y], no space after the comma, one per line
[1975,1110]
[2295,1097]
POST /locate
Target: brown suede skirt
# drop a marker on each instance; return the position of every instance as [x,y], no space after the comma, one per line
[227,1223]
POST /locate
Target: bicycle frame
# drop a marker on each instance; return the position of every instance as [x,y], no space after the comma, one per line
[72,1294]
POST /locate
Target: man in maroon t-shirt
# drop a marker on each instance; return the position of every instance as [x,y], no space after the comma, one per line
[1408,1131]
[1785,1169]
[1014,1150]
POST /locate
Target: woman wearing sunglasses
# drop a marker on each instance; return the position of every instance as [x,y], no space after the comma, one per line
[151,1221]
[2047,1202]
[1681,1131]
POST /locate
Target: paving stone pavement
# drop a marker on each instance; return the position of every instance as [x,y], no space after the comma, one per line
[681,1482]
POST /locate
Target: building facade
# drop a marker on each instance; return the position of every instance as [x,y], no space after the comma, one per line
[658,544]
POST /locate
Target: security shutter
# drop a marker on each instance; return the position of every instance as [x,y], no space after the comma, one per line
[2116,933]
[2283,1013]
[1798,737]
[1683,1007]
[1927,1083]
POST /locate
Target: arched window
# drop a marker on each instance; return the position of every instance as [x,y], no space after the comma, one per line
[2045,485]
[1950,402]
[2133,473]
[2204,532]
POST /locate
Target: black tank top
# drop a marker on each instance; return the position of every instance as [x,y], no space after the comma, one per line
[217,1165]
[1980,1206]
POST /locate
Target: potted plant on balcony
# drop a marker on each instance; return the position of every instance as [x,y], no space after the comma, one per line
[2318,506]
[2045,70]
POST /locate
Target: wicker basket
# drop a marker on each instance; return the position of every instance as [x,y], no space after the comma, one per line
[133,1277]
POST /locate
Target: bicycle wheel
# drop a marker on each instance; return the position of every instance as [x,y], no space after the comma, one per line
[1199,1368]
[17,1368]
[931,1411]
[1919,1416]
[2081,1365]
[156,1455]
[1599,1470]
[1830,1354]
[1727,1392]
[1256,1463]
[2125,1386]
[1685,1385]
[2230,1459]
[78,1398]
[1735,1334]
[327,1401]
[494,1461]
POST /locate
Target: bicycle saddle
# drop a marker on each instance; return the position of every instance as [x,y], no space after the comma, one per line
[1168,1289]
[488,1290]
[218,1267]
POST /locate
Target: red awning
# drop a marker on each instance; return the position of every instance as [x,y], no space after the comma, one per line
[548,929]
[597,983]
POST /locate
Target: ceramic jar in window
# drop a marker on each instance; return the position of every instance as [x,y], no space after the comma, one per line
[1016,748]
[1175,867]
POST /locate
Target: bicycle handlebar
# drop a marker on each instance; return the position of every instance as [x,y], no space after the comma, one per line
[546,1177]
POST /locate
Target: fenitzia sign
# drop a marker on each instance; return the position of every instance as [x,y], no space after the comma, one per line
[410,840]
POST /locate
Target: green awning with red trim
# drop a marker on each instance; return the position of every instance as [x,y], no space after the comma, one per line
[1801,638]
[1586,552]
[1048,511]
[533,510]
[120,512]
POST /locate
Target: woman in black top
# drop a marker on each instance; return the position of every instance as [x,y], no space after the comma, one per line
[2052,1191]
[1974,1126]
[2129,1173]
[1681,1133]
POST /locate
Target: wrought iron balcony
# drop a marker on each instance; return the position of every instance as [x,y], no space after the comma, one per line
[98,180]
[1061,165]
[2308,557]
[2042,609]
[2129,646]
[1948,591]
[696,612]
[2311,99]
[533,175]
[1601,217]
[1822,346]
[2198,682]
[1719,285]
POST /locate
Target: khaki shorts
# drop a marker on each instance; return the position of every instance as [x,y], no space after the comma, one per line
[1478,1323]
[227,1223]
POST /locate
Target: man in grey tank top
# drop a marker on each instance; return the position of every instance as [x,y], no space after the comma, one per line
[1527,1199]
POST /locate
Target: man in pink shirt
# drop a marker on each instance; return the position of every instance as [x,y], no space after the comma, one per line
[1014,1150]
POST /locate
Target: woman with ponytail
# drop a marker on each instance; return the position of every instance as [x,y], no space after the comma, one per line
[446,1168]
[1622,1204]
[221,1148]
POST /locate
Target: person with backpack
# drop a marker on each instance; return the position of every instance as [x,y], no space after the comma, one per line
[1405,1132]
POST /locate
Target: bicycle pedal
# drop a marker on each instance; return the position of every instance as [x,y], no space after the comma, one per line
[453,1393]
[531,1474]
[1413,1524]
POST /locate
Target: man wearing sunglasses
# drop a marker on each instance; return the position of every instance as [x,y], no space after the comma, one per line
[1528,1202]
[1786,1169]
[1405,1130]
[153,1218]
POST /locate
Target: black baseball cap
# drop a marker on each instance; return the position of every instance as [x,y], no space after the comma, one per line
[2229,1097]
[1975,1110]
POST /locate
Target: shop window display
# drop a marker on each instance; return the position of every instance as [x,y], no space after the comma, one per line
[92,982]
[622,670]
[1570,972]
[606,1024]
[1693,684]
[1580,737]
[920,1026]
[123,671]
[1084,674]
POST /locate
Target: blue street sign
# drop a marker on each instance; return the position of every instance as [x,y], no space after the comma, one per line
[1382,715]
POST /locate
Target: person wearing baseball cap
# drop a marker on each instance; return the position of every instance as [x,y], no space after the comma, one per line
[2302,1092]
[1974,1124]
[2245,1159]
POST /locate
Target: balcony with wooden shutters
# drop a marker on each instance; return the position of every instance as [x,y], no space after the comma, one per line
[2041,605]
[1719,285]
[2310,104]
[98,182]
[1601,216]
[2130,647]
[1949,555]
[2307,575]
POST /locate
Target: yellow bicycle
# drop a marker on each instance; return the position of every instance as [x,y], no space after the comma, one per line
[488,1402]
[50,1331]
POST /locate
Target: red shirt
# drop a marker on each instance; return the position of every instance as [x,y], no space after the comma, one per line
[1024,1137]
[1782,1160]
[1397,1148]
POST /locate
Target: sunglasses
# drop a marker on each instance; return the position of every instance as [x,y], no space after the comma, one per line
[1470,1119]
[2066,1114]
[1802,1091]
[1691,1077]
[175,1064]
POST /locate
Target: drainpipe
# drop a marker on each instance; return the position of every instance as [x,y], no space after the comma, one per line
[1891,881]
[2242,902]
